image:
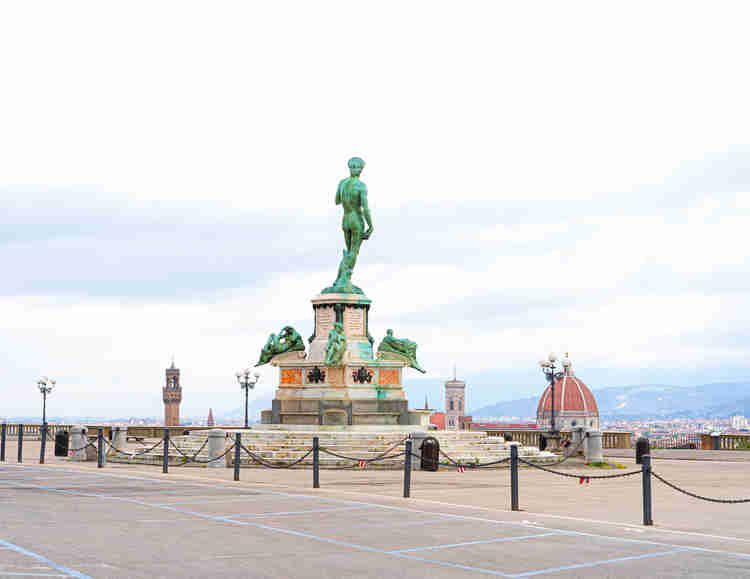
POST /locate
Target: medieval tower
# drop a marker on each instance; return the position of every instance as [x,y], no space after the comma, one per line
[455,398]
[172,396]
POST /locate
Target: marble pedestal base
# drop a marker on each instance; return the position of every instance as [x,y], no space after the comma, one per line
[360,390]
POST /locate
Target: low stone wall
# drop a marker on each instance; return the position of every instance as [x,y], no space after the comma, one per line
[527,437]
[726,442]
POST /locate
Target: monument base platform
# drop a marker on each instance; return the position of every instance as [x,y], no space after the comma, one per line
[282,444]
[343,413]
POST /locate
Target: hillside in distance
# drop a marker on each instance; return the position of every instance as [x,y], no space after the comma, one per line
[718,400]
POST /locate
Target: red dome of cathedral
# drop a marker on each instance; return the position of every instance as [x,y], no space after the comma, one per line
[575,405]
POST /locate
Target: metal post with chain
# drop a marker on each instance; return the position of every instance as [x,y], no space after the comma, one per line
[316,462]
[514,478]
[646,469]
[407,470]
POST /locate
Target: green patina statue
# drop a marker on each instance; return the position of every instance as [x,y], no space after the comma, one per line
[288,340]
[352,196]
[336,345]
[404,349]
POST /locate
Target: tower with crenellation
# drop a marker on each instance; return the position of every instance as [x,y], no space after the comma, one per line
[172,396]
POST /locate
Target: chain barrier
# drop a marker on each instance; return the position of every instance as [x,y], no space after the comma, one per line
[696,496]
[381,456]
[74,450]
[362,462]
[263,462]
[580,476]
[193,458]
[132,454]
[457,463]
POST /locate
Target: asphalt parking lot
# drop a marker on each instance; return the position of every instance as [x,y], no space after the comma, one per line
[74,520]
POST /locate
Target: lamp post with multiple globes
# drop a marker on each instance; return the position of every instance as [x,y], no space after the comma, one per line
[45,385]
[247,382]
[552,372]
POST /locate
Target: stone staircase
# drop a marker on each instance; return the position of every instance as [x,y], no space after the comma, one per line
[282,447]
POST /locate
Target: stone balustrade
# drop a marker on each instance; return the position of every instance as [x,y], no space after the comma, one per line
[529,437]
[726,441]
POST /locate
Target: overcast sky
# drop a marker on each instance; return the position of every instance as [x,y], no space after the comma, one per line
[542,176]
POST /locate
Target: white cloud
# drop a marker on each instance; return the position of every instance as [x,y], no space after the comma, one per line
[169,169]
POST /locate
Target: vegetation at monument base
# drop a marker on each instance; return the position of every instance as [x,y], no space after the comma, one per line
[721,399]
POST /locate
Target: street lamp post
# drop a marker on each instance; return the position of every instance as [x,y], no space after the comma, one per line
[247,382]
[45,385]
[552,373]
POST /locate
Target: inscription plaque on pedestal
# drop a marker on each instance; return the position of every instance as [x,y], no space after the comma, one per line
[354,320]
[325,321]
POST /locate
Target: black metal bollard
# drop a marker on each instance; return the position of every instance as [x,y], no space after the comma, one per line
[316,462]
[514,478]
[165,455]
[3,433]
[237,444]
[100,448]
[646,469]
[20,443]
[44,443]
[407,470]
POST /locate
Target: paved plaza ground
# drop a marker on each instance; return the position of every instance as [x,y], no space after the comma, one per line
[67,519]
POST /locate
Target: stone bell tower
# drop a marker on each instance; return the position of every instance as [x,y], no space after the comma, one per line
[455,398]
[172,396]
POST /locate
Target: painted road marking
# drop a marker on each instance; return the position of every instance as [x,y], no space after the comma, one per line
[281,513]
[467,543]
[596,563]
[387,507]
[42,559]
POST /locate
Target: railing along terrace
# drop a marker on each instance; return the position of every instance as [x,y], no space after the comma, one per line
[34,431]
[683,441]
[529,437]
[726,441]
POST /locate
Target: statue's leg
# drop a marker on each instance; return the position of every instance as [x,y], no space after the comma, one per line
[340,276]
[354,251]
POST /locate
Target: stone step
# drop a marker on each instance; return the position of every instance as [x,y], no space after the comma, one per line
[258,444]
[282,447]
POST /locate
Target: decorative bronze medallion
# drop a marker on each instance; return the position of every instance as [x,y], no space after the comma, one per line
[362,375]
[316,376]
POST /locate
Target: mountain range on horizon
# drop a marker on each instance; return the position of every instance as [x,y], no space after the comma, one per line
[647,401]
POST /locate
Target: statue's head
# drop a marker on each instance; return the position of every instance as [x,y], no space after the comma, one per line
[355,166]
[390,333]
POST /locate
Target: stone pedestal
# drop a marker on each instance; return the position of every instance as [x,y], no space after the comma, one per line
[217,442]
[577,441]
[78,440]
[594,451]
[362,390]
[119,439]
[553,441]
